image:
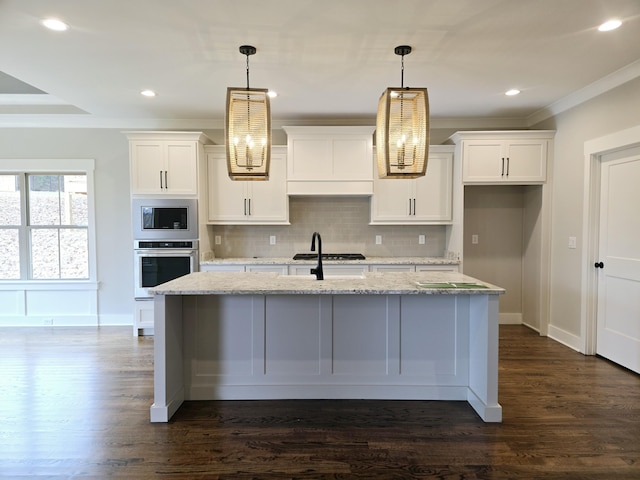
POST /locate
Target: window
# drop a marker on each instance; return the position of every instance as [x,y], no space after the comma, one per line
[44,226]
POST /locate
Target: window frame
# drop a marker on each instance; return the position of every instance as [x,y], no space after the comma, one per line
[24,167]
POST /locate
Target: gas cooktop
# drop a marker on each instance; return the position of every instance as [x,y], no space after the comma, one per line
[329,256]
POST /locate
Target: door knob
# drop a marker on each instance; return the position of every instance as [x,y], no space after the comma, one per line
[599,265]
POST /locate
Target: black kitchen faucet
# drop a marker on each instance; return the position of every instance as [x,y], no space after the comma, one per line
[318,270]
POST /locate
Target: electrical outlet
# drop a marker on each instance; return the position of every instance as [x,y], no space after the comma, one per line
[572,242]
[474,239]
[378,239]
[272,240]
[421,239]
[47,321]
[218,239]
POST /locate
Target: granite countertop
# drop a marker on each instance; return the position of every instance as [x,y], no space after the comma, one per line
[367,261]
[240,283]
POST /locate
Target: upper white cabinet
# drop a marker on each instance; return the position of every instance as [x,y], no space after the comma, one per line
[423,200]
[165,163]
[246,202]
[515,157]
[330,160]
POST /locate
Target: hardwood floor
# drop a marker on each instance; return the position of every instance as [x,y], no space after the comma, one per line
[74,403]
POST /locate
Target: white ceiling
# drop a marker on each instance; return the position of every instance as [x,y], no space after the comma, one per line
[328,60]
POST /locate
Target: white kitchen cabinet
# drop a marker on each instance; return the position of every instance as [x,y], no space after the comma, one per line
[165,163]
[341,269]
[330,160]
[273,268]
[437,268]
[392,268]
[514,157]
[246,202]
[423,200]
[143,317]
[221,268]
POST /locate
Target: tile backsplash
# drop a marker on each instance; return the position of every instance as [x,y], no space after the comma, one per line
[343,223]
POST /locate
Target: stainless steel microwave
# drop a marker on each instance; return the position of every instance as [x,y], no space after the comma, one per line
[165,218]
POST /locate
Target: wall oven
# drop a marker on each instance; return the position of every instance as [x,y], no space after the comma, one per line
[165,218]
[158,262]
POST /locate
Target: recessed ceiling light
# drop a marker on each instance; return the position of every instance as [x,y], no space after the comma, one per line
[272,94]
[610,25]
[55,24]
[148,93]
[512,92]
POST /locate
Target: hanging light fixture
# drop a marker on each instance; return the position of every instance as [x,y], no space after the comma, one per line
[248,129]
[402,129]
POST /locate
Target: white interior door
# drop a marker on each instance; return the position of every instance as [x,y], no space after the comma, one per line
[618,324]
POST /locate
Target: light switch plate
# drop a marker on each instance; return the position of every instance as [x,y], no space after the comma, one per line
[272,240]
[474,239]
[421,239]
[378,239]
[218,239]
[572,242]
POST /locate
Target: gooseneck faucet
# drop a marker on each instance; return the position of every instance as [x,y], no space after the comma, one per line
[318,270]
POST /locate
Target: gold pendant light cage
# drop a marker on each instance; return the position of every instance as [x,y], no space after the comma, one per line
[248,129]
[248,135]
[402,129]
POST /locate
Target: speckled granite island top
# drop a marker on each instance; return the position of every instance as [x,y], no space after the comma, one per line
[401,283]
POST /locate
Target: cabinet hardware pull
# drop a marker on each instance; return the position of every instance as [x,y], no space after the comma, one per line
[508,165]
[599,265]
[245,206]
[249,207]
[409,206]
[414,206]
[502,167]
[161,180]
[166,183]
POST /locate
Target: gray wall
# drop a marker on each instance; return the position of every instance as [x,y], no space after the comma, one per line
[110,151]
[611,112]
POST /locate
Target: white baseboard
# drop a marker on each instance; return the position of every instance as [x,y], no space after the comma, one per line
[510,318]
[565,338]
[116,320]
[64,320]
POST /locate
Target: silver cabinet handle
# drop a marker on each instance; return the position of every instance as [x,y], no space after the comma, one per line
[166,183]
[414,206]
[502,174]
[161,180]
[245,206]
[508,165]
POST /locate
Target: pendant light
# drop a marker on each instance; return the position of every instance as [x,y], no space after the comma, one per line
[248,129]
[402,129]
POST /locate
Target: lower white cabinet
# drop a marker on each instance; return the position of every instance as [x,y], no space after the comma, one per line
[143,317]
[281,269]
[329,269]
[437,268]
[340,269]
[275,268]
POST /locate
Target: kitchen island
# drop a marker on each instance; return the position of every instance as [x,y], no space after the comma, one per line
[421,336]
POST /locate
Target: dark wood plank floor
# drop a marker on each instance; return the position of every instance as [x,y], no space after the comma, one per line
[74,403]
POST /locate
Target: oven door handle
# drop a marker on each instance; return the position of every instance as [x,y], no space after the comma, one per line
[164,253]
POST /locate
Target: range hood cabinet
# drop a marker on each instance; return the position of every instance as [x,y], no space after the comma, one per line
[330,160]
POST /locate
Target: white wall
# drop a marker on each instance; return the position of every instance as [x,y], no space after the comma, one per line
[611,112]
[109,149]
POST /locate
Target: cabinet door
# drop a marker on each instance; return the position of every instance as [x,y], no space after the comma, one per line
[482,160]
[147,167]
[436,268]
[526,161]
[425,200]
[182,168]
[434,192]
[269,201]
[281,269]
[227,198]
[392,200]
[392,268]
